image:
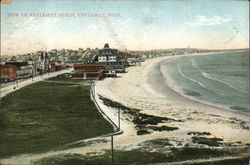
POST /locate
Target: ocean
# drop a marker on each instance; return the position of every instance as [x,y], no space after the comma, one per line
[220,79]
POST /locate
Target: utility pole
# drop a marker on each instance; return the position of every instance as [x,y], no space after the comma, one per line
[32,76]
[43,59]
[16,82]
[112,149]
[35,64]
[41,64]
[119,118]
[48,61]
[5,76]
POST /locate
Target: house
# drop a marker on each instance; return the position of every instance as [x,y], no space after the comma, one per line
[133,61]
[24,71]
[87,70]
[107,55]
[112,57]
[124,55]
[55,66]
[7,73]
[123,58]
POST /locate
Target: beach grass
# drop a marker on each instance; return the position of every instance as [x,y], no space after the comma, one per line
[44,116]
[199,133]
[162,128]
[207,141]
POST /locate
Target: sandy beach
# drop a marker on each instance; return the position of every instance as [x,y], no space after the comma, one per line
[143,88]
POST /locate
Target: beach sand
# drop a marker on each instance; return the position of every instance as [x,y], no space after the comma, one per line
[143,88]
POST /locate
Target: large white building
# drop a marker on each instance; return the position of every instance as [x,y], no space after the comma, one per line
[107,55]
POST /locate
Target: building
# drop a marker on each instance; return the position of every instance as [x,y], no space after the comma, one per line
[55,67]
[107,55]
[24,72]
[22,69]
[133,61]
[17,64]
[7,72]
[124,55]
[112,57]
[42,62]
[88,70]
[110,72]
[116,68]
[166,53]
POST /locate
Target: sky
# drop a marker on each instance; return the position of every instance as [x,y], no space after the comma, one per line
[124,24]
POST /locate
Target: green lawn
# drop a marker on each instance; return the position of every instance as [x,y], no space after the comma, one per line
[44,116]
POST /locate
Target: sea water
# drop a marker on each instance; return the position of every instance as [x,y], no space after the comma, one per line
[221,78]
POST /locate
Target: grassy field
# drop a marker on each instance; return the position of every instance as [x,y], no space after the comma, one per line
[44,116]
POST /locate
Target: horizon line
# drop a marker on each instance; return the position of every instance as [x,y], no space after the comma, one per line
[130,50]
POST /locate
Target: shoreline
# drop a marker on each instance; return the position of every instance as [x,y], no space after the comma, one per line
[232,108]
[156,70]
[141,88]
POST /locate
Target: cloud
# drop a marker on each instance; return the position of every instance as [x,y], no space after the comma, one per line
[15,29]
[205,21]
[23,22]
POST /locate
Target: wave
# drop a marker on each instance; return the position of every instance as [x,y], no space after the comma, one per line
[195,64]
[198,82]
[172,85]
[207,75]
[189,78]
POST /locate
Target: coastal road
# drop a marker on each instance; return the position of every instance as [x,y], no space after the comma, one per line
[15,86]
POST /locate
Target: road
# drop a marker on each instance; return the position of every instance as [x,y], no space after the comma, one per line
[13,86]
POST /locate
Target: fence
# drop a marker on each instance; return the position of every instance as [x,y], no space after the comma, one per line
[93,98]
[117,129]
